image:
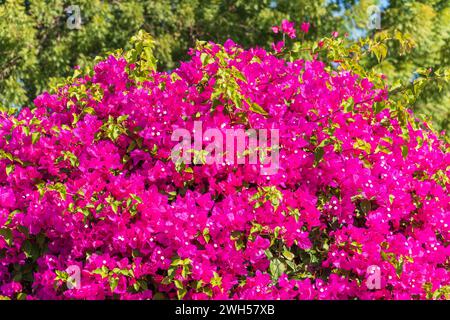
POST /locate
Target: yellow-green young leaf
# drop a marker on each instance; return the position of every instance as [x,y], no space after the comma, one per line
[204,58]
[381,148]
[239,75]
[21,296]
[405,151]
[206,235]
[9,169]
[89,110]
[114,206]
[178,284]
[6,155]
[181,293]
[380,50]
[258,109]
[387,139]
[362,145]
[122,118]
[35,137]
[216,281]
[26,130]
[71,157]
[289,255]
[378,107]
[76,118]
[349,105]
[185,271]
[277,268]
[113,283]
[391,198]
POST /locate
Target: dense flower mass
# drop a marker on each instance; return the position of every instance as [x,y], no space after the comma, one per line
[87,183]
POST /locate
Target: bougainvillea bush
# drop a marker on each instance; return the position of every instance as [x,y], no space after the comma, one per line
[87,183]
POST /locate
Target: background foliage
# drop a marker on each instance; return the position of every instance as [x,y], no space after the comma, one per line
[37,47]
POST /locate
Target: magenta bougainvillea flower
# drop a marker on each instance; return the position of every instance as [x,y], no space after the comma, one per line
[287,27]
[305,27]
[87,184]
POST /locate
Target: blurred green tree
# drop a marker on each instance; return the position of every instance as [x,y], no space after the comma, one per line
[427,22]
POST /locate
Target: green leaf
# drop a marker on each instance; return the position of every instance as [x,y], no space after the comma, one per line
[122,118]
[289,255]
[181,293]
[185,271]
[318,155]
[35,136]
[159,296]
[21,296]
[366,206]
[399,266]
[178,284]
[204,58]
[7,235]
[216,281]
[258,109]
[71,157]
[9,169]
[239,75]
[103,271]
[177,262]
[349,105]
[277,268]
[27,248]
[362,145]
[26,130]
[380,50]
[206,235]
[378,107]
[61,275]
[291,265]
[391,198]
[113,283]
[405,151]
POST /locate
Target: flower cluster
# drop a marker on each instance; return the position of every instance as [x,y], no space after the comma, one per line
[86,180]
[287,27]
